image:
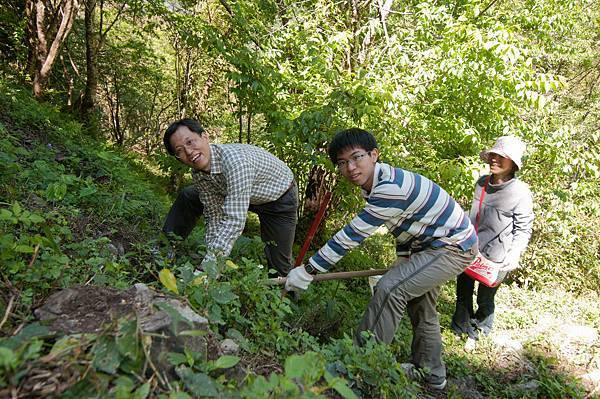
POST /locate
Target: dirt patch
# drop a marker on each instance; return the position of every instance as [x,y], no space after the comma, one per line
[86,308]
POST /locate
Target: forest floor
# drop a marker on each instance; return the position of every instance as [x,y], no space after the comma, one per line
[537,334]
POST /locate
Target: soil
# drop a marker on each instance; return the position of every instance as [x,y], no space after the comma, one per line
[88,311]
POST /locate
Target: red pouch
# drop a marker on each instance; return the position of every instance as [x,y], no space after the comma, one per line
[485,271]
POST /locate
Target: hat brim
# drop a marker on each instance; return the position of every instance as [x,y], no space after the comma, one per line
[485,156]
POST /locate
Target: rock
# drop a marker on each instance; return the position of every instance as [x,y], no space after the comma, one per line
[583,334]
[116,249]
[529,386]
[90,309]
[38,201]
[592,378]
[466,387]
[229,347]
[503,340]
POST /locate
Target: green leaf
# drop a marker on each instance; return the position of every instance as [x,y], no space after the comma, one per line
[35,218]
[168,280]
[85,191]
[339,384]
[16,209]
[5,214]
[127,339]
[222,294]
[123,387]
[226,361]
[308,367]
[8,359]
[25,249]
[64,345]
[198,383]
[33,330]
[176,358]
[142,392]
[107,356]
[179,395]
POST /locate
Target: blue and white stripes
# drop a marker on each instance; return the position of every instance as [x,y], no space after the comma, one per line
[418,212]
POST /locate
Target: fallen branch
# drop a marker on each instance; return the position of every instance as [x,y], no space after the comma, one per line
[8,310]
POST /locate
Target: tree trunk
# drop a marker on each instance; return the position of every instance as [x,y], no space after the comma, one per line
[91,45]
[46,56]
[249,125]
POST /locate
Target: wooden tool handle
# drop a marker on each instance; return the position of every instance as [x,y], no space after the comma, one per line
[334,276]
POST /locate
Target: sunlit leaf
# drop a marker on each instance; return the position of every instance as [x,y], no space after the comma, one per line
[167,278]
[226,361]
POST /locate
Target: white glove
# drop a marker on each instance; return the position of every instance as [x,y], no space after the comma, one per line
[510,263]
[298,279]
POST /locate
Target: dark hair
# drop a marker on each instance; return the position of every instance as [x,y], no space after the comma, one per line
[191,124]
[351,138]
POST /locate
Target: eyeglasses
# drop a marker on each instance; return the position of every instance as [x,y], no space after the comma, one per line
[180,151]
[354,159]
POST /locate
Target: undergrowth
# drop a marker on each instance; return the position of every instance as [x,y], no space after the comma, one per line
[75,211]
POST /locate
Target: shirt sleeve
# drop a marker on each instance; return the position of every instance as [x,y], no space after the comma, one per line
[227,227]
[522,226]
[373,215]
[212,215]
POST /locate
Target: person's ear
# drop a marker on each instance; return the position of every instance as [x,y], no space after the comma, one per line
[375,154]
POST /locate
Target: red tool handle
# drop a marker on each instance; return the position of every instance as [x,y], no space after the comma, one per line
[313,228]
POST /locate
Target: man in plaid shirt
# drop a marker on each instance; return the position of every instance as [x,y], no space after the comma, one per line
[229,181]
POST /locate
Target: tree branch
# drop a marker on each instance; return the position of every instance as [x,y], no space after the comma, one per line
[486,8]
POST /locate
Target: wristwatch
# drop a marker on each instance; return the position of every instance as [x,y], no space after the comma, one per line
[310,269]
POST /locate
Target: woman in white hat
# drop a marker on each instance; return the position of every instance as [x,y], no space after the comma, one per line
[503,228]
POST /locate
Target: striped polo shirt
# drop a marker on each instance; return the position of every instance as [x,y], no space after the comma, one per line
[418,212]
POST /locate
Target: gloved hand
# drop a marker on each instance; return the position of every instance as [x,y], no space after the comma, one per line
[511,262]
[298,279]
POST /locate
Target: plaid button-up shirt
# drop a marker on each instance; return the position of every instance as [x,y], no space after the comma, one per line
[240,175]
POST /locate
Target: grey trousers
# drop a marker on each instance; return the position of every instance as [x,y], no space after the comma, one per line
[413,285]
[277,218]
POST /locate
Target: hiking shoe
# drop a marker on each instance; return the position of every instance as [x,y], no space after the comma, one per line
[438,386]
[431,382]
[470,345]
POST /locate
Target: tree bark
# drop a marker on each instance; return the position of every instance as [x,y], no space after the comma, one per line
[91,45]
[46,56]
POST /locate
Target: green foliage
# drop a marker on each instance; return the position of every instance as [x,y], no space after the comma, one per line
[300,380]
[373,369]
[436,81]
[57,189]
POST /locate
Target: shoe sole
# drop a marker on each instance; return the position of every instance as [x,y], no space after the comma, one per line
[438,387]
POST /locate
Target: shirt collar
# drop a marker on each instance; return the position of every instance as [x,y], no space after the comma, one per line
[216,163]
[376,176]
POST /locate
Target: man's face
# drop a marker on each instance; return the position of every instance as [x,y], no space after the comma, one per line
[358,166]
[191,148]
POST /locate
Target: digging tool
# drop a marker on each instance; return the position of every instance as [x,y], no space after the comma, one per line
[313,228]
[333,276]
[311,233]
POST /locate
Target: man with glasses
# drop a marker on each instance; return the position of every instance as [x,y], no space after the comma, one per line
[229,181]
[435,241]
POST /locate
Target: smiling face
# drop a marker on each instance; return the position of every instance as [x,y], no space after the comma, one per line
[191,148]
[501,168]
[358,166]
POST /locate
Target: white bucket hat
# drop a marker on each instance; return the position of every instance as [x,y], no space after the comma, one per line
[507,146]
